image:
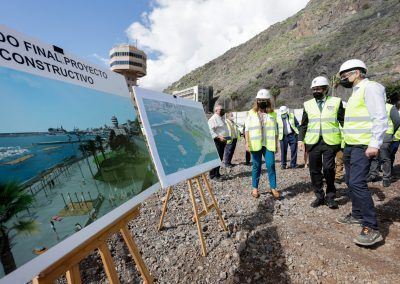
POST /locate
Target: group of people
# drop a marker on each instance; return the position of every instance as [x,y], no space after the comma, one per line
[364,136]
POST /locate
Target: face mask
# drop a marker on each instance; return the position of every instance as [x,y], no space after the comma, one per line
[221,113]
[346,83]
[318,95]
[284,115]
[262,105]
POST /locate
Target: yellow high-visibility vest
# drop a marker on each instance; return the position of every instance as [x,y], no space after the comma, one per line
[390,130]
[357,121]
[254,129]
[396,136]
[280,125]
[232,128]
[323,122]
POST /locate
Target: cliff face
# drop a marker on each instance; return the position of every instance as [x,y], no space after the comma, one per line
[313,42]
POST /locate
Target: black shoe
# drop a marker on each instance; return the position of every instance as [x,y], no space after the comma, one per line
[386,183]
[372,179]
[317,202]
[293,167]
[283,167]
[332,204]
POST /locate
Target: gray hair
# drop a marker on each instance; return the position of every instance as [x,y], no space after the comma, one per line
[218,106]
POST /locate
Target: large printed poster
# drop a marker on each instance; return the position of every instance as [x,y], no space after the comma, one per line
[71,149]
[178,135]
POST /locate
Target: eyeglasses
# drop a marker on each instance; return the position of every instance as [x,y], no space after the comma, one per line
[347,74]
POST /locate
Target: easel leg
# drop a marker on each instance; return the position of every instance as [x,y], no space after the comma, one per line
[215,202]
[164,208]
[203,198]
[73,275]
[108,264]
[196,216]
[148,279]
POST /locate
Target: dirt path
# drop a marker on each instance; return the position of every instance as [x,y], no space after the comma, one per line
[269,241]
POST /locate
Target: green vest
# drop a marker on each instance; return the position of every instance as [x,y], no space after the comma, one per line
[396,136]
[390,130]
[253,127]
[323,122]
[232,129]
[292,124]
[357,121]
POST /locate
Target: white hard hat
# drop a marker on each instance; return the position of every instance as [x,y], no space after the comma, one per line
[319,81]
[283,109]
[352,64]
[263,94]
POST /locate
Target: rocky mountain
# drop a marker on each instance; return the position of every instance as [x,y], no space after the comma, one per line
[313,42]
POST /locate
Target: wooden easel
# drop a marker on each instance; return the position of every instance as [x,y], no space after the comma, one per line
[69,264]
[197,215]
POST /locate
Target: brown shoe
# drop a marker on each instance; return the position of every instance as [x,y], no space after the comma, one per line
[275,193]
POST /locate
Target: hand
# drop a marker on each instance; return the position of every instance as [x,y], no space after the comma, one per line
[221,138]
[301,145]
[371,152]
[247,147]
[277,149]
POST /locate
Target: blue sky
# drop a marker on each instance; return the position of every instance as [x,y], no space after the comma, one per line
[31,103]
[177,35]
[84,27]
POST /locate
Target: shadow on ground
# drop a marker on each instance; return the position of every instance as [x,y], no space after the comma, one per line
[261,256]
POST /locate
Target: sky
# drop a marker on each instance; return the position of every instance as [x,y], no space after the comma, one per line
[31,103]
[177,35]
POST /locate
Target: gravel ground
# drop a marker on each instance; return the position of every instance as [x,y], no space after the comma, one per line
[268,241]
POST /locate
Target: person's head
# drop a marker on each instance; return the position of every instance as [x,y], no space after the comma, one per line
[319,87]
[229,115]
[219,109]
[283,110]
[352,72]
[263,101]
[398,104]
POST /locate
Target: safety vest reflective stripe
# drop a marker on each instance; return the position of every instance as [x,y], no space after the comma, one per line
[357,122]
[358,119]
[323,122]
[255,132]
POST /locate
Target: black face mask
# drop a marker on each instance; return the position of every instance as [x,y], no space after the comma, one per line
[346,83]
[318,95]
[221,113]
[262,105]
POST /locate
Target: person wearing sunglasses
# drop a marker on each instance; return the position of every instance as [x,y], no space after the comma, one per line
[261,138]
[365,125]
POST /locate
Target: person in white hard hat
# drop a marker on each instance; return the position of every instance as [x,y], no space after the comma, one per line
[288,132]
[220,134]
[261,138]
[365,125]
[320,135]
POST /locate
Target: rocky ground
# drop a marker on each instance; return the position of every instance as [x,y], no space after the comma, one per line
[268,241]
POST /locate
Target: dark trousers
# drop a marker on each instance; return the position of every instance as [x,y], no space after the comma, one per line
[393,150]
[289,140]
[220,148]
[322,158]
[229,151]
[357,167]
[384,160]
[247,157]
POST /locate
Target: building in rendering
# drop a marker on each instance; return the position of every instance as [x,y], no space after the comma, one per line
[199,93]
[129,61]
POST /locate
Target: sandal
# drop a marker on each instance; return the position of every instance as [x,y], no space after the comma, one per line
[275,193]
[255,194]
